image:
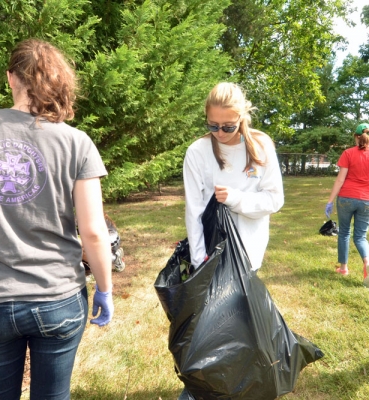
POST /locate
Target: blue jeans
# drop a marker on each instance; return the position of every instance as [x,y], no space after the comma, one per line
[52,330]
[359,210]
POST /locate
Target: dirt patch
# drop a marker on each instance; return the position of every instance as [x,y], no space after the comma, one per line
[122,280]
[163,193]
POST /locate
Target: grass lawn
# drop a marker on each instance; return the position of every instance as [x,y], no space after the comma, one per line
[129,359]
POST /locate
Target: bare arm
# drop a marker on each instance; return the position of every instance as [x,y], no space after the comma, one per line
[338,184]
[93,230]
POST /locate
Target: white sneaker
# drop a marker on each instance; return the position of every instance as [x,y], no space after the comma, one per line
[119,263]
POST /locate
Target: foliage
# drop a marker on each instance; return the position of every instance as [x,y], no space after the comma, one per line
[364,49]
[62,22]
[319,139]
[317,129]
[131,177]
[278,47]
[146,66]
[328,126]
[147,94]
[353,84]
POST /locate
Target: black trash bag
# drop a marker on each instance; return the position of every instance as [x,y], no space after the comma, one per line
[227,338]
[330,228]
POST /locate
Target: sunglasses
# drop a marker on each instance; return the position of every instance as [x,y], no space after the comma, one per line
[225,128]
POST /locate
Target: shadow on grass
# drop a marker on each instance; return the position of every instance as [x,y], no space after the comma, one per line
[104,394]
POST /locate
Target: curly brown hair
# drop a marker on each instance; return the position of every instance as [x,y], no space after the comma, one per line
[48,77]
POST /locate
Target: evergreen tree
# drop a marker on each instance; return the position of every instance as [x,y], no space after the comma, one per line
[145,68]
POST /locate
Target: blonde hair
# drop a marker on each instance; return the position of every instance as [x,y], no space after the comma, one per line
[363,139]
[229,95]
[49,79]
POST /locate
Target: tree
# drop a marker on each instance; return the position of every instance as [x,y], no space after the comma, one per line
[143,77]
[322,128]
[62,22]
[353,84]
[278,48]
[327,125]
[147,94]
[146,66]
[364,49]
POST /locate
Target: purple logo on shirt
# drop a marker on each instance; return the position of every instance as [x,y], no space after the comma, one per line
[23,172]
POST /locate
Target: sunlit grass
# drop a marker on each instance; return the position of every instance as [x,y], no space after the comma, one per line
[328,309]
[129,359]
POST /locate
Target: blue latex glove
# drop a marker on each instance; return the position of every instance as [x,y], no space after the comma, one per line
[328,210]
[104,302]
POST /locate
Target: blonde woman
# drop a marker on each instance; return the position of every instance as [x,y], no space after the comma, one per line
[238,164]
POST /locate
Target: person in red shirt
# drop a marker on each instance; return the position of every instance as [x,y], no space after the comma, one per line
[352,190]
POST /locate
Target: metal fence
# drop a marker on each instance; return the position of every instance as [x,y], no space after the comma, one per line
[306,164]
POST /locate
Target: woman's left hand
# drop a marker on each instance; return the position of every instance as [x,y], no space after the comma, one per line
[221,193]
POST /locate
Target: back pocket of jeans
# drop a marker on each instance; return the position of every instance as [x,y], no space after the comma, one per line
[60,319]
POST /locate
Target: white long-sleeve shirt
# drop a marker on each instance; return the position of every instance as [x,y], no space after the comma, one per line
[252,195]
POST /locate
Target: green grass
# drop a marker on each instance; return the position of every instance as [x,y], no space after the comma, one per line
[330,310]
[129,359]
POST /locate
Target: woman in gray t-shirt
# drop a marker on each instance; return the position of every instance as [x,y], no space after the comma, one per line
[48,171]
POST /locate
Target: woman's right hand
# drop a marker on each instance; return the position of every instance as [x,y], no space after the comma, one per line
[221,193]
[102,301]
[328,210]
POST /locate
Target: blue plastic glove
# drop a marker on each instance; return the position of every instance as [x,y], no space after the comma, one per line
[104,302]
[328,210]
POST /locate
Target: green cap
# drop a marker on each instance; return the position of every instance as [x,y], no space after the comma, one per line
[360,129]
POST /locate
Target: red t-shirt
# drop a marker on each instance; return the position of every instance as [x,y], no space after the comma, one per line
[356,185]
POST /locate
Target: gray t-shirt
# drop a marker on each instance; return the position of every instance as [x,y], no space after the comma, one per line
[39,163]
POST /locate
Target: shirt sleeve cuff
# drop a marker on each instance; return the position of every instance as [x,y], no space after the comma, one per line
[233,197]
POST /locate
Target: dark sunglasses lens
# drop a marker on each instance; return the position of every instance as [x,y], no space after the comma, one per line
[229,129]
[212,128]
